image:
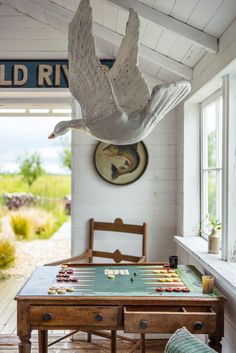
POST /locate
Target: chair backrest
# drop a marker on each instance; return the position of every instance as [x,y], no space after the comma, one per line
[118,226]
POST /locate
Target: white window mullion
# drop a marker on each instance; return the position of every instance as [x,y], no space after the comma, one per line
[229,170]
[211,170]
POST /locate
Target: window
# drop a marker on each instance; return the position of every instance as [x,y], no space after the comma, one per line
[211,159]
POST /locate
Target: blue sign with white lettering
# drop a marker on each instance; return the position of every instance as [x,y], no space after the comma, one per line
[36,73]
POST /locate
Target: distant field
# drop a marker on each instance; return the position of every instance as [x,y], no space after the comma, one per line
[52,186]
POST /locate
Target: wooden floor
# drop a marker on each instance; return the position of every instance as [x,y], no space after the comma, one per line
[8,344]
[8,289]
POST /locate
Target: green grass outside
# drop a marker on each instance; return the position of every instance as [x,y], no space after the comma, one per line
[51,186]
[52,189]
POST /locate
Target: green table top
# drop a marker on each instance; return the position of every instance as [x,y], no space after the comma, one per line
[92,282]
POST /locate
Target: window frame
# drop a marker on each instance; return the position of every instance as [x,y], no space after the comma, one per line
[215,97]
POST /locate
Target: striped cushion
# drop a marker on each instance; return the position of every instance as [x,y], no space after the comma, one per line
[183,341]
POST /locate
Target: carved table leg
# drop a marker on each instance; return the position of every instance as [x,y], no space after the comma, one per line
[23,327]
[215,343]
[43,341]
[143,344]
[113,341]
[24,344]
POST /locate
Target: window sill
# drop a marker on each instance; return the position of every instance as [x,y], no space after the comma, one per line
[223,271]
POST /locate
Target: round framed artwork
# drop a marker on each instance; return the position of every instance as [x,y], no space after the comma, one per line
[121,164]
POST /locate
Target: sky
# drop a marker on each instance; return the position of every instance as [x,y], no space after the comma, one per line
[20,136]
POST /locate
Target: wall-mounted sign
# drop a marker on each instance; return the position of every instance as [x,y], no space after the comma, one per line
[36,73]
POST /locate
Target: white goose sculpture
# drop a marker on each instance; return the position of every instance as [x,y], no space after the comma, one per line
[117,106]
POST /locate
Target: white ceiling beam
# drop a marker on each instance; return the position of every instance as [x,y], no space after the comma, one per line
[63,16]
[193,34]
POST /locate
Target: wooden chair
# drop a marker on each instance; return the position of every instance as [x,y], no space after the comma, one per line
[96,230]
[116,256]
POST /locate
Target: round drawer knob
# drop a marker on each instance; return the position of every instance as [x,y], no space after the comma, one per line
[143,324]
[98,317]
[47,317]
[198,325]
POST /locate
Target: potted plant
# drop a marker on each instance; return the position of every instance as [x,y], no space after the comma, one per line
[214,226]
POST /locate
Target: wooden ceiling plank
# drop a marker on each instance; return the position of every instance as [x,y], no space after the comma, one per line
[145,52]
[33,45]
[110,16]
[148,2]
[179,49]
[31,33]
[98,10]
[224,16]
[34,11]
[183,9]
[203,12]
[193,55]
[166,42]
[193,34]
[150,69]
[6,11]
[151,36]
[22,22]
[121,21]
[36,54]
[164,6]
[61,17]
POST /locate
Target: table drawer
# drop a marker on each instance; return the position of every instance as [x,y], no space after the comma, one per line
[168,319]
[63,315]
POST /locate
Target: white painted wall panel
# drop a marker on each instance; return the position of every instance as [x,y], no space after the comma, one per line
[150,199]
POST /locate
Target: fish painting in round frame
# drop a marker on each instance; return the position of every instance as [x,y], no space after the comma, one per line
[121,164]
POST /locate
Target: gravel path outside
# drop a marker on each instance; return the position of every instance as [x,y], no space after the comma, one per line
[30,254]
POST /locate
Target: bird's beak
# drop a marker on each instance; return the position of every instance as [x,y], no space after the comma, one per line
[52,136]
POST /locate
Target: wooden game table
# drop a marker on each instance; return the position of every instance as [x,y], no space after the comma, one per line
[132,302]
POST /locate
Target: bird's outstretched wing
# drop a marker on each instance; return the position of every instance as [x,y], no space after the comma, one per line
[88,81]
[130,87]
[165,97]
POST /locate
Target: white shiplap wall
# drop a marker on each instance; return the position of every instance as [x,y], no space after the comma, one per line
[179,167]
[150,199]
